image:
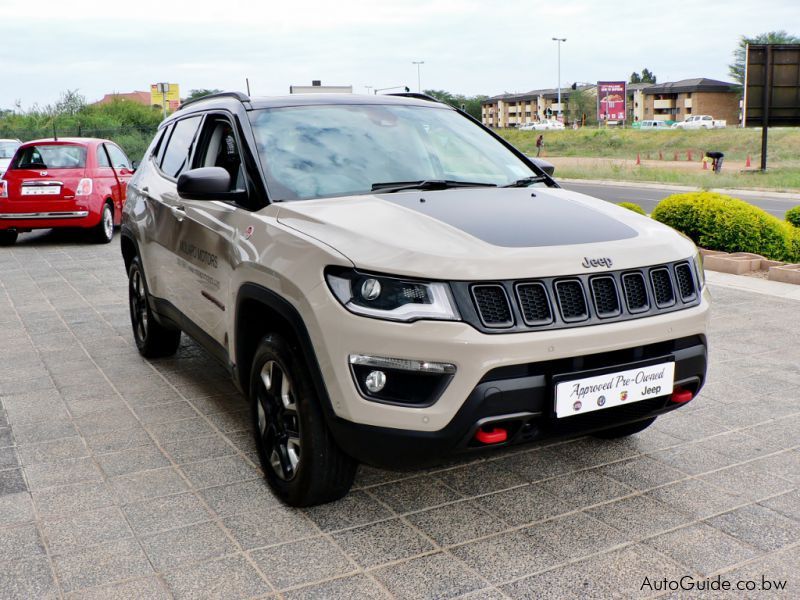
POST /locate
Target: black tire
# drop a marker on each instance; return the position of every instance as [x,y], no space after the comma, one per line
[8,237]
[298,454]
[624,430]
[103,232]
[152,339]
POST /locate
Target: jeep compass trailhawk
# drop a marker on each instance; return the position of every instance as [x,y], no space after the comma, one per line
[390,282]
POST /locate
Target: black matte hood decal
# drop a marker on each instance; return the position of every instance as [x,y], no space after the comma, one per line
[515,217]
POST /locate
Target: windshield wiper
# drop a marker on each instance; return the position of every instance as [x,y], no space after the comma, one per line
[526,181]
[426,184]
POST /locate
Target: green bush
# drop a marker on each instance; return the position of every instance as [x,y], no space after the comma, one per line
[793,216]
[720,222]
[632,206]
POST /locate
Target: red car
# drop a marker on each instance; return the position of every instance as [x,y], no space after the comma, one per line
[69,182]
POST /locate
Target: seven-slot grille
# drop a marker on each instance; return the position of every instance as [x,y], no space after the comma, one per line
[582,299]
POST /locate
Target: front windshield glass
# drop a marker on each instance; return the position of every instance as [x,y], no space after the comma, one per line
[7,149]
[321,151]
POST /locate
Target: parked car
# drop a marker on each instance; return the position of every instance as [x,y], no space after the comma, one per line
[651,125]
[542,125]
[7,149]
[700,122]
[391,283]
[68,182]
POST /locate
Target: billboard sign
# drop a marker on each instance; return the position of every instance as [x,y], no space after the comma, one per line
[611,101]
[772,90]
[173,95]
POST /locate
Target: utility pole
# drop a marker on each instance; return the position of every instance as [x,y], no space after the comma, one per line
[558,41]
[418,63]
[368,87]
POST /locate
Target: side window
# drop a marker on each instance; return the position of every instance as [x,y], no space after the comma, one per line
[102,157]
[219,148]
[160,144]
[118,158]
[176,156]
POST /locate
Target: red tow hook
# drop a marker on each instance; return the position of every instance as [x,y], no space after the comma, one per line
[681,396]
[495,436]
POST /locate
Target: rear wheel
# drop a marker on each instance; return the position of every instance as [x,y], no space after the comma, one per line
[8,237]
[103,232]
[152,339]
[300,459]
[624,430]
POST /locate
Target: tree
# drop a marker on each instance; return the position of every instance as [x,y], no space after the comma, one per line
[195,94]
[579,103]
[736,69]
[647,76]
[69,103]
[635,78]
[471,104]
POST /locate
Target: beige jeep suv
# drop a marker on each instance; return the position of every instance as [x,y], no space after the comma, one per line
[390,282]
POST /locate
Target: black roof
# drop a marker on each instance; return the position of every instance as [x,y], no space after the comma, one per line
[698,84]
[314,100]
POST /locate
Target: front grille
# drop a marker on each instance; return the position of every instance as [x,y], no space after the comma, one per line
[493,306]
[571,300]
[579,300]
[534,303]
[635,292]
[604,294]
[683,274]
[662,287]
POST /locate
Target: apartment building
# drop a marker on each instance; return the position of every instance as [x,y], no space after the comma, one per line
[674,101]
[513,110]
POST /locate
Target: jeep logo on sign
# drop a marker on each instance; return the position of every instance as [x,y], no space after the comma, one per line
[596,262]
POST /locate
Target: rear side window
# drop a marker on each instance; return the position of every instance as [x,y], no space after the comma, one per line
[176,156]
[51,156]
[102,157]
[118,158]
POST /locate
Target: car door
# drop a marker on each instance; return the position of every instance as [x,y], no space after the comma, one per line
[105,179]
[122,172]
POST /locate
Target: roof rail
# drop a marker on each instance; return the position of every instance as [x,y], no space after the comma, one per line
[417,96]
[238,95]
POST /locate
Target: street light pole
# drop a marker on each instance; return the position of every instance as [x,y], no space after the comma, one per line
[418,63]
[558,41]
[368,87]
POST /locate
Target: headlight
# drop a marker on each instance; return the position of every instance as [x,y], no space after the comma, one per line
[392,298]
[698,267]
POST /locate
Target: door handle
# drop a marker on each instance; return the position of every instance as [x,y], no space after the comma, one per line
[178,212]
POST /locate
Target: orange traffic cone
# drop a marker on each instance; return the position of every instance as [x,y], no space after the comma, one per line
[747,162]
[638,159]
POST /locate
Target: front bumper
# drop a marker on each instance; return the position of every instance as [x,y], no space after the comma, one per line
[520,399]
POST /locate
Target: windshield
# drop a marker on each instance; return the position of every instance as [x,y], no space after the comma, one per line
[320,151]
[51,157]
[7,149]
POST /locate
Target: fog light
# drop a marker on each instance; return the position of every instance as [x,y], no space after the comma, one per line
[375,381]
[370,289]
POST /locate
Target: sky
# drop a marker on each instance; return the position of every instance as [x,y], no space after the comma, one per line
[468,46]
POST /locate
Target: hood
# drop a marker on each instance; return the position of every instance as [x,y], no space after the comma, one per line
[485,233]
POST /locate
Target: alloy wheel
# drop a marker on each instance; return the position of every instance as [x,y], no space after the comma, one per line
[138,301]
[278,421]
[108,222]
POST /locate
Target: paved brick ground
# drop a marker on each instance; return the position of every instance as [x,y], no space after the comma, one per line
[122,478]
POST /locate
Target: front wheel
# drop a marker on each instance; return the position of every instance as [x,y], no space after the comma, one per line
[8,237]
[152,339]
[103,232]
[624,430]
[301,461]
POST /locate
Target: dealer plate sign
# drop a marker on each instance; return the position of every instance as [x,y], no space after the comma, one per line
[579,396]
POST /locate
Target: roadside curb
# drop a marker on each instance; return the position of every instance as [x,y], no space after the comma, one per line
[790,196]
[776,289]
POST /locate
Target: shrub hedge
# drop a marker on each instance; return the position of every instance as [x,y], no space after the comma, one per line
[720,222]
[632,206]
[793,216]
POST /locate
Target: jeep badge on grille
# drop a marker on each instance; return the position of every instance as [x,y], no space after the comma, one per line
[588,263]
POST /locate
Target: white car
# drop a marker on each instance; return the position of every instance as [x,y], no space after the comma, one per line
[7,150]
[651,125]
[701,122]
[542,125]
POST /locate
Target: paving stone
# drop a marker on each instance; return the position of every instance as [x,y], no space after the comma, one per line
[52,451]
[505,557]
[269,526]
[20,543]
[480,478]
[6,439]
[62,472]
[26,579]
[177,430]
[219,471]
[590,452]
[15,508]
[575,535]
[228,577]
[12,482]
[536,465]
[176,547]
[416,493]
[144,458]
[759,527]
[168,512]
[748,481]
[455,523]
[116,441]
[196,449]
[778,568]
[695,498]
[702,548]
[382,542]
[146,484]
[356,587]
[692,459]
[164,413]
[8,458]
[106,421]
[639,516]
[229,422]
[642,473]
[148,587]
[785,464]
[434,576]
[522,505]
[236,498]
[321,560]
[44,431]
[101,565]
[585,488]
[357,508]
[65,500]
[786,504]
[82,530]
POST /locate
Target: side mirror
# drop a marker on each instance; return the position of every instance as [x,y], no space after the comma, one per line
[544,165]
[135,165]
[207,183]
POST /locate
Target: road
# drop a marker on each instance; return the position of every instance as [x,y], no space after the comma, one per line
[648,197]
